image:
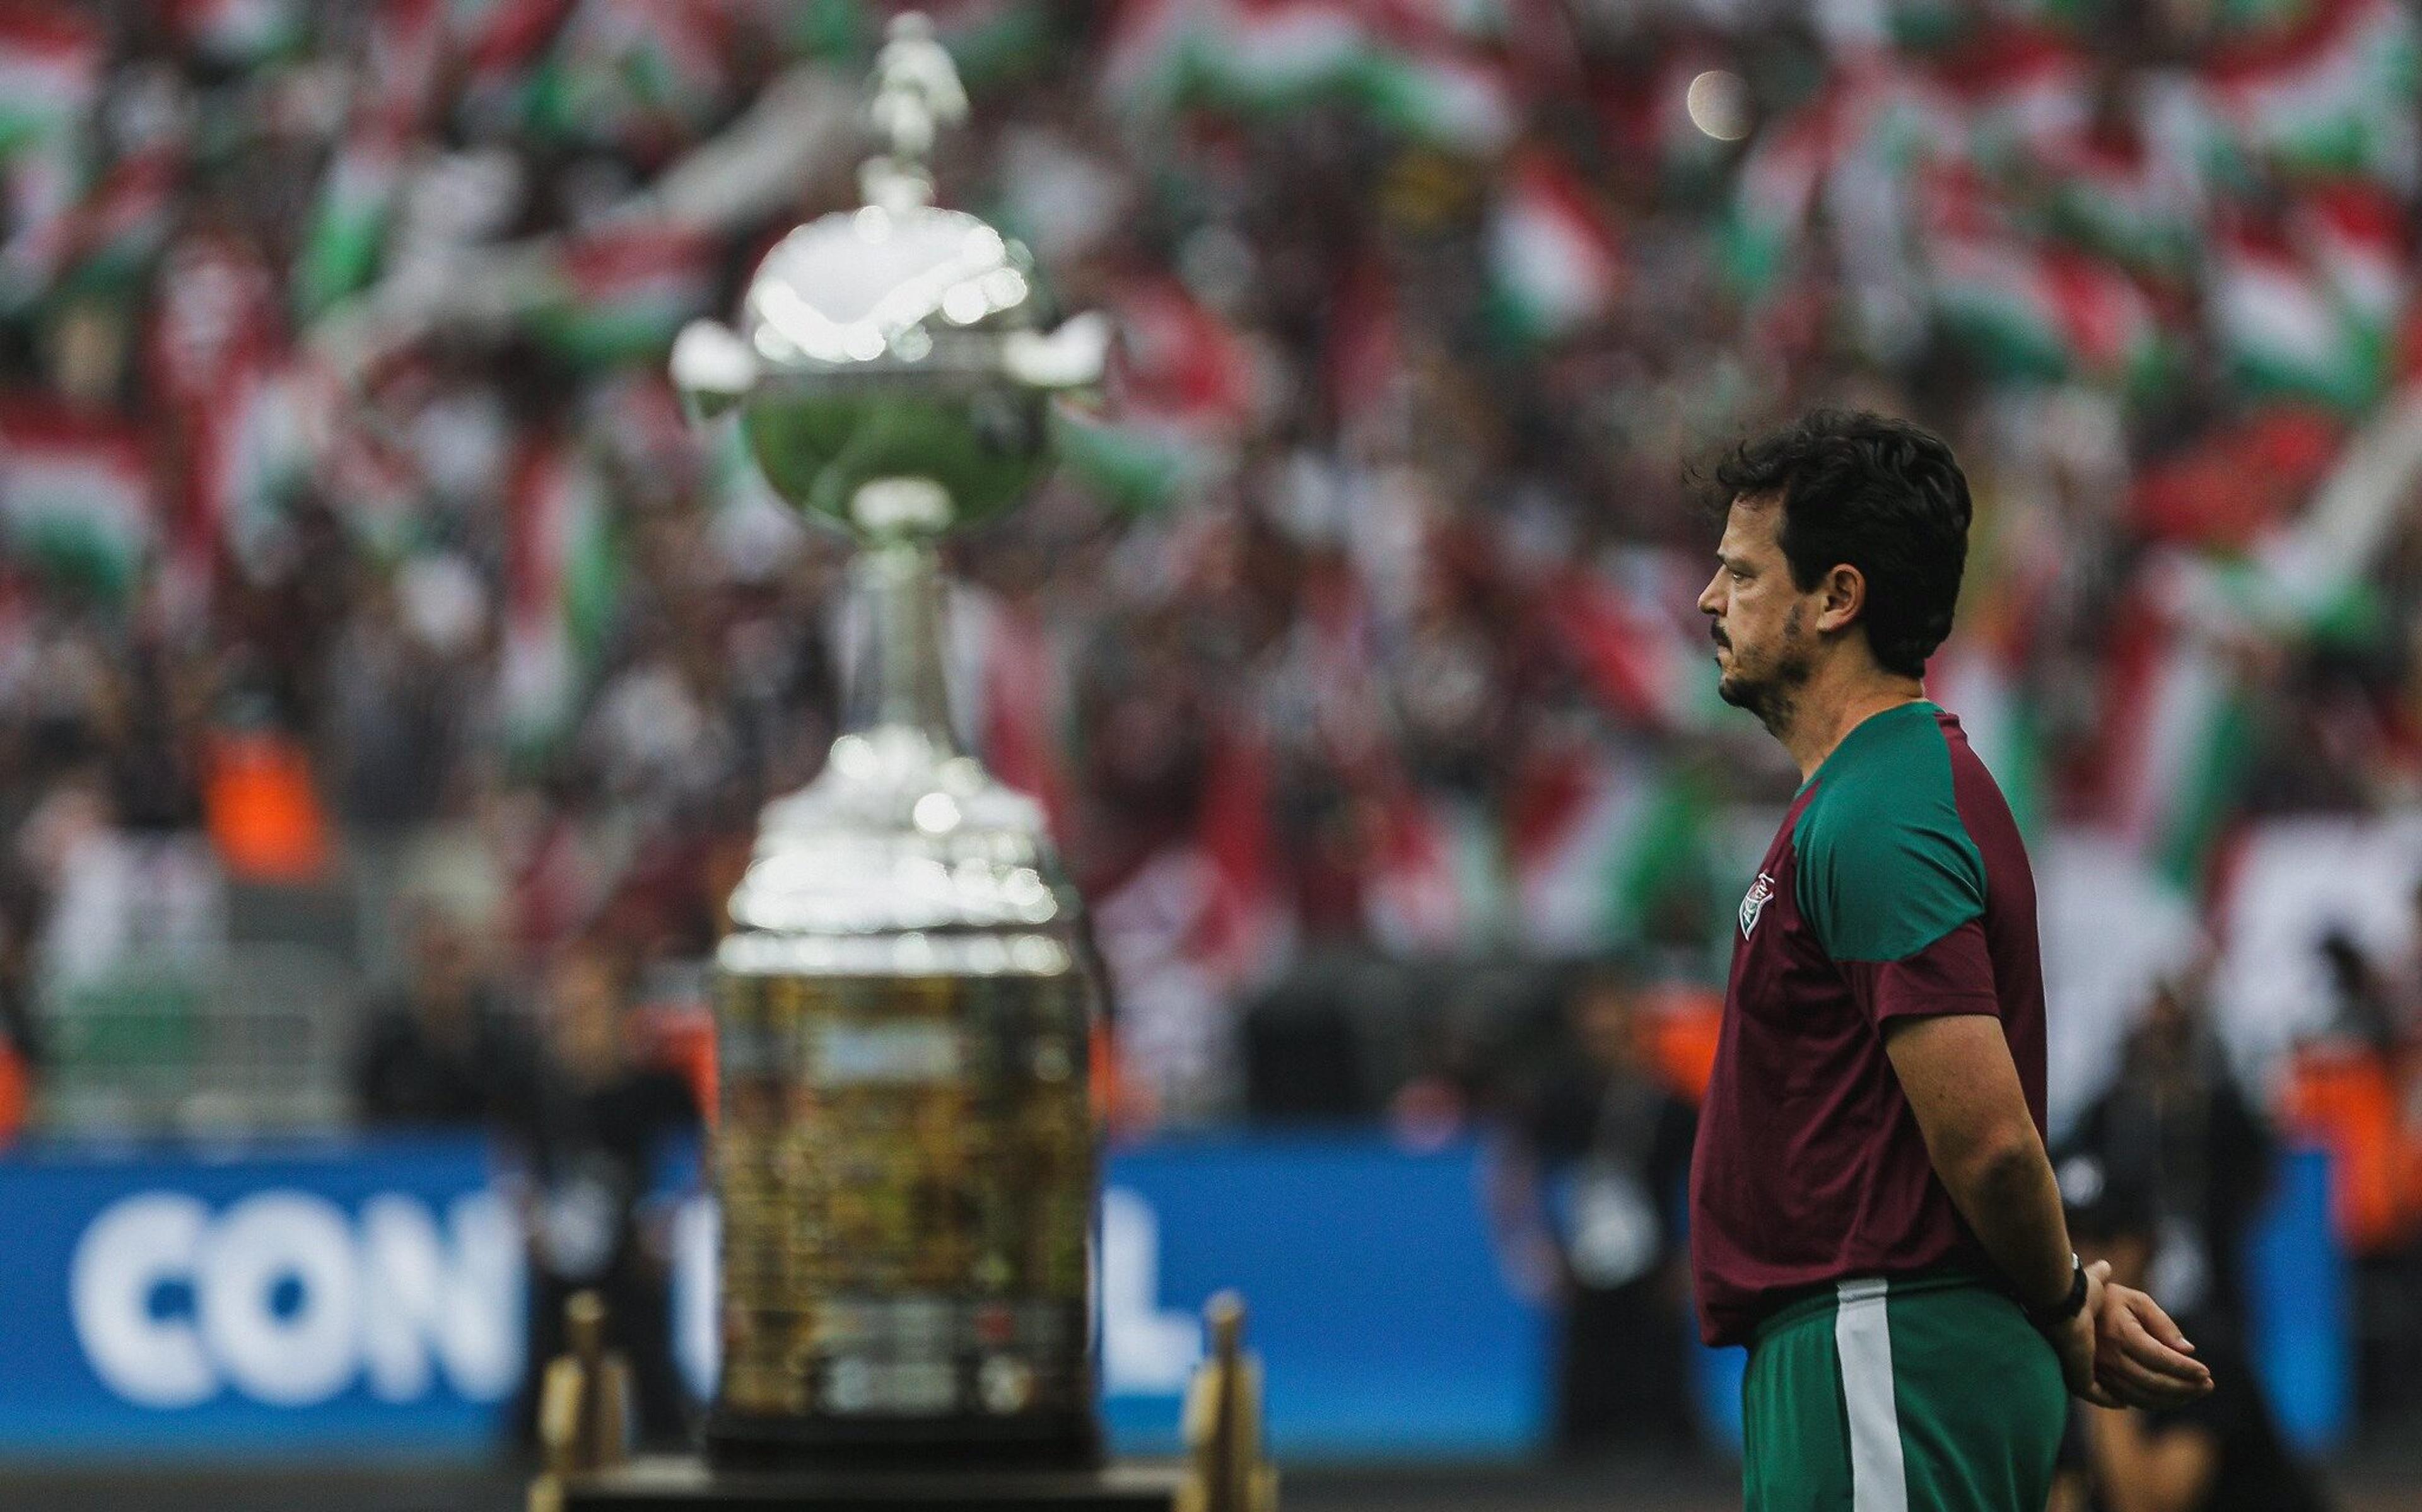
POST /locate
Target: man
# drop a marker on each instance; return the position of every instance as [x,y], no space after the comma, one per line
[2175,1111]
[1596,1156]
[2222,1452]
[1871,1208]
[442,1051]
[602,1119]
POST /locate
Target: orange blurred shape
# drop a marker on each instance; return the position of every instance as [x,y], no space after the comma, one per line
[1123,1110]
[16,1095]
[2345,1100]
[680,1037]
[262,809]
[1680,1027]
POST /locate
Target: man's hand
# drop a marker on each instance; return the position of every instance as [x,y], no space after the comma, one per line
[2076,1341]
[2140,1357]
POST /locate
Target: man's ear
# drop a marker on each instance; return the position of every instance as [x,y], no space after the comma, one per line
[1842,595]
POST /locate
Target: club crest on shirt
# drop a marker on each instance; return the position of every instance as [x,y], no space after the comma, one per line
[1753,902]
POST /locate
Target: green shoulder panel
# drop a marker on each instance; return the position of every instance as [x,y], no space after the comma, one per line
[1885,867]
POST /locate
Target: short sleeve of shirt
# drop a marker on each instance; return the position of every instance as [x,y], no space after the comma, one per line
[1953,975]
[1894,887]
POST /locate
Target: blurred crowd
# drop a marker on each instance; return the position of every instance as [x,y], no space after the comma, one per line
[375,632]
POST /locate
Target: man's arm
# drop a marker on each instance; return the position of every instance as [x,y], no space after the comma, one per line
[1957,1072]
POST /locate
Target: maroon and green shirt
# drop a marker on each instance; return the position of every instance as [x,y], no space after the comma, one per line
[1897,887]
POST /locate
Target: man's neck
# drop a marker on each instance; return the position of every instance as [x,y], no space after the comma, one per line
[1828,708]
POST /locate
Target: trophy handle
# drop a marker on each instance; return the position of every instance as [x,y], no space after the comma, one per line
[713,368]
[1072,356]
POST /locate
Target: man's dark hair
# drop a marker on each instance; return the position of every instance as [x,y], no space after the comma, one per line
[1882,495]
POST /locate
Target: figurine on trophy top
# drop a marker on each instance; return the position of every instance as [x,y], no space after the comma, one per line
[904,1150]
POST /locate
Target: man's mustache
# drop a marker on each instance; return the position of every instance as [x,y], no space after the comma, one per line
[1716,633]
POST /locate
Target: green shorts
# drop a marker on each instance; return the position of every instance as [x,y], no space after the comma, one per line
[1921,1394]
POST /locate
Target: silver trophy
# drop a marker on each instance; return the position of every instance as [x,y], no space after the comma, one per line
[905,1147]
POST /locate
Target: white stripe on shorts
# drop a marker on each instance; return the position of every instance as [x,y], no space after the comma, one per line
[1863,1338]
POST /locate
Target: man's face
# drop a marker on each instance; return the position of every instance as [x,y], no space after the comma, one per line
[1764,626]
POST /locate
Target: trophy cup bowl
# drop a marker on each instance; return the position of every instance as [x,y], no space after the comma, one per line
[901,341]
[904,1146]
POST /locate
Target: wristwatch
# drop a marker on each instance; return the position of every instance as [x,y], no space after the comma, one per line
[2048,1318]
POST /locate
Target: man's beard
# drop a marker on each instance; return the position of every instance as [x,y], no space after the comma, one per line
[1772,695]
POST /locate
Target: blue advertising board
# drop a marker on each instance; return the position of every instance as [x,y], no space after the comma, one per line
[1383,1320]
[366,1299]
[340,1297]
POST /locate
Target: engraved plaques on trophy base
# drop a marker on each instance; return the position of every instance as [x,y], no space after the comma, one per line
[905,1163]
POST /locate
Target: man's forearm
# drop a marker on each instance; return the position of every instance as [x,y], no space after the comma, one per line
[1972,1110]
[2012,1202]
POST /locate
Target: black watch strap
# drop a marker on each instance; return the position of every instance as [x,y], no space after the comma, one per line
[2069,1306]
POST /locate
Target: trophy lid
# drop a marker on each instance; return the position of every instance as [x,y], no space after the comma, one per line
[869,287]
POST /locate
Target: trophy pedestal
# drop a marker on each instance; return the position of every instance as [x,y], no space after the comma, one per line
[690,1484]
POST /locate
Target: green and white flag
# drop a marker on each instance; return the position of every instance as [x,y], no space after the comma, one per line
[1597,840]
[641,73]
[1273,54]
[2335,96]
[1404,68]
[76,499]
[1775,200]
[2283,328]
[1553,263]
[1152,52]
[347,233]
[254,460]
[240,33]
[2130,200]
[562,573]
[2044,314]
[621,293]
[1979,683]
[51,61]
[1443,96]
[1435,879]
[2354,235]
[1629,649]
[1180,392]
[2181,746]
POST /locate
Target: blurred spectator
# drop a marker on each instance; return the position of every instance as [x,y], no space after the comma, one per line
[20,1051]
[593,1150]
[2173,1111]
[1586,1192]
[443,1050]
[2222,1452]
[2343,1094]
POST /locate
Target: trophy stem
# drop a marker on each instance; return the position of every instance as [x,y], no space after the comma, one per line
[898,683]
